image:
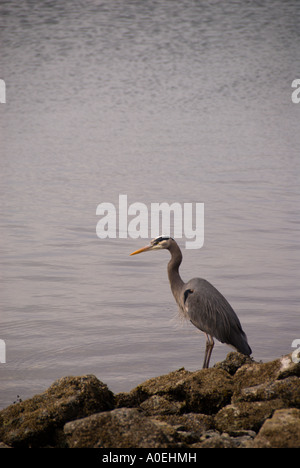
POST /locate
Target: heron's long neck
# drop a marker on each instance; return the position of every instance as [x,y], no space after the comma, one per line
[176,282]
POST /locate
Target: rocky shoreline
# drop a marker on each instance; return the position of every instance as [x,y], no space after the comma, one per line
[238,403]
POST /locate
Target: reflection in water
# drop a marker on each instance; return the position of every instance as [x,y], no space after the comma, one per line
[162,101]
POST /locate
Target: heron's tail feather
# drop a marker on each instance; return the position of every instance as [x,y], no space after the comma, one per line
[240,343]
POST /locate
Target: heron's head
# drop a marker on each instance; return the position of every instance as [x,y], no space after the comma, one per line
[160,242]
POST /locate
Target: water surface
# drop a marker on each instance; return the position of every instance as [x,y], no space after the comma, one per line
[171,101]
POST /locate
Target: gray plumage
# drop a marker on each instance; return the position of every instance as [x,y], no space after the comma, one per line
[209,311]
[201,303]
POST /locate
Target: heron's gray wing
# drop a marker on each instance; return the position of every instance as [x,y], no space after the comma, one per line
[209,311]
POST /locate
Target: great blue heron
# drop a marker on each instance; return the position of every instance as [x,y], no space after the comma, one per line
[201,303]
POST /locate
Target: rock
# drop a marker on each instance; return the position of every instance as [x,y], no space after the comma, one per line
[225,406]
[157,404]
[214,439]
[189,427]
[204,391]
[35,422]
[208,390]
[245,415]
[233,362]
[254,373]
[281,431]
[169,386]
[288,367]
[194,423]
[2,445]
[119,428]
[287,390]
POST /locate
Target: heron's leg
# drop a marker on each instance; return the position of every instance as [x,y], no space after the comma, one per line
[211,345]
[208,350]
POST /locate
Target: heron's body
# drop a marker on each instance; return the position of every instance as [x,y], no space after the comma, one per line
[202,304]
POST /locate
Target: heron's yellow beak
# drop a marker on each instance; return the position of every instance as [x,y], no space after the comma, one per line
[143,249]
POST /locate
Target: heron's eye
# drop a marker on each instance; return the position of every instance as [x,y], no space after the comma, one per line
[160,240]
[157,240]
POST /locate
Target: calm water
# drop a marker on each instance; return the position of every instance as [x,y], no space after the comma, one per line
[186,101]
